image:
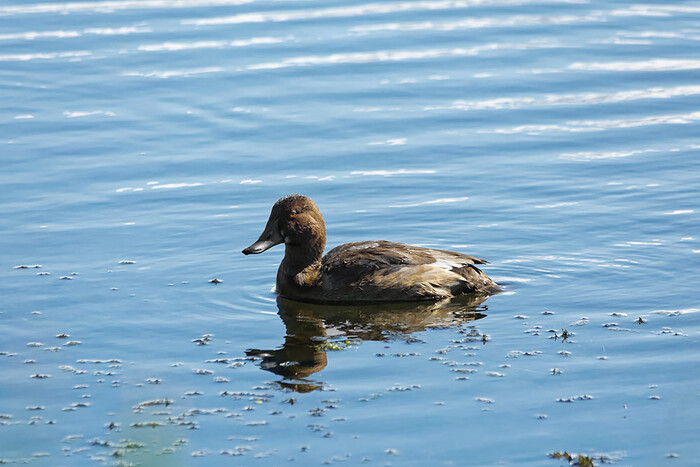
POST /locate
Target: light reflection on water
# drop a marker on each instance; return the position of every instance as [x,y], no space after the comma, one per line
[144,142]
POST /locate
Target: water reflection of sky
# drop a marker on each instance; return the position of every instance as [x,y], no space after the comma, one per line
[143,144]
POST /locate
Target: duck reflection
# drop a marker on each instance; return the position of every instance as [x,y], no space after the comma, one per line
[314,329]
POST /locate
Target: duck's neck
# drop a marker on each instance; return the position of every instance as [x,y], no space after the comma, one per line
[301,265]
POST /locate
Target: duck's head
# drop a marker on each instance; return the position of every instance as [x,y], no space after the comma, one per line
[295,221]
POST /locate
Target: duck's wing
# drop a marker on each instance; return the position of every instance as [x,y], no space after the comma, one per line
[380,254]
[382,270]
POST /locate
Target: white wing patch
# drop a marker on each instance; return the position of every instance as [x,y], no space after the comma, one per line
[449,262]
[446,265]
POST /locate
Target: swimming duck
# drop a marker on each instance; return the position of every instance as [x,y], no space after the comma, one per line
[360,272]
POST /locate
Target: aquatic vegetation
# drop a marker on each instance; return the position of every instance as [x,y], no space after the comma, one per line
[582,397]
[148,424]
[583,460]
[579,460]
[153,402]
[204,340]
[523,353]
[337,345]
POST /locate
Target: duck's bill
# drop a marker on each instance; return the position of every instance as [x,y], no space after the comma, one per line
[259,247]
[269,238]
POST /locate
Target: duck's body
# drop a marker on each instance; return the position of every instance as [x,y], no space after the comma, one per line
[360,272]
[389,271]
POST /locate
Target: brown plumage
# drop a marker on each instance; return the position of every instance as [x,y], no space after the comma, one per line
[360,272]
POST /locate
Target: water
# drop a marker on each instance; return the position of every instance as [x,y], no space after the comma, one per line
[143,144]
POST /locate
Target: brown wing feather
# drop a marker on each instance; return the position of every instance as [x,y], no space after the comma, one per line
[382,253]
[396,271]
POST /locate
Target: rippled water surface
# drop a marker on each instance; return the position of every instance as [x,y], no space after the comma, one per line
[144,142]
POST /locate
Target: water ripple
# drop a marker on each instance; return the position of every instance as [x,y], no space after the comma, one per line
[600,125]
[477,23]
[176,46]
[111,6]
[399,55]
[435,201]
[571,99]
[59,34]
[656,10]
[656,64]
[44,56]
[164,74]
[644,37]
[387,173]
[590,155]
[359,10]
[87,113]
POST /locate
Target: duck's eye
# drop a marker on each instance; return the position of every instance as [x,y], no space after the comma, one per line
[292,214]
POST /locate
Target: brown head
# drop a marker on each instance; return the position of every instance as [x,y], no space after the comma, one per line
[295,221]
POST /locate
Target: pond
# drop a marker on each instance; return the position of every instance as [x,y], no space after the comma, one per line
[144,143]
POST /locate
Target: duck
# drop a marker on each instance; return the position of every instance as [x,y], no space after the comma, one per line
[361,272]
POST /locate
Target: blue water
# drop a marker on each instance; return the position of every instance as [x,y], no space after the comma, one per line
[143,144]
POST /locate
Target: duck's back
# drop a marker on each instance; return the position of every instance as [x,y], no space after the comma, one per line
[388,271]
